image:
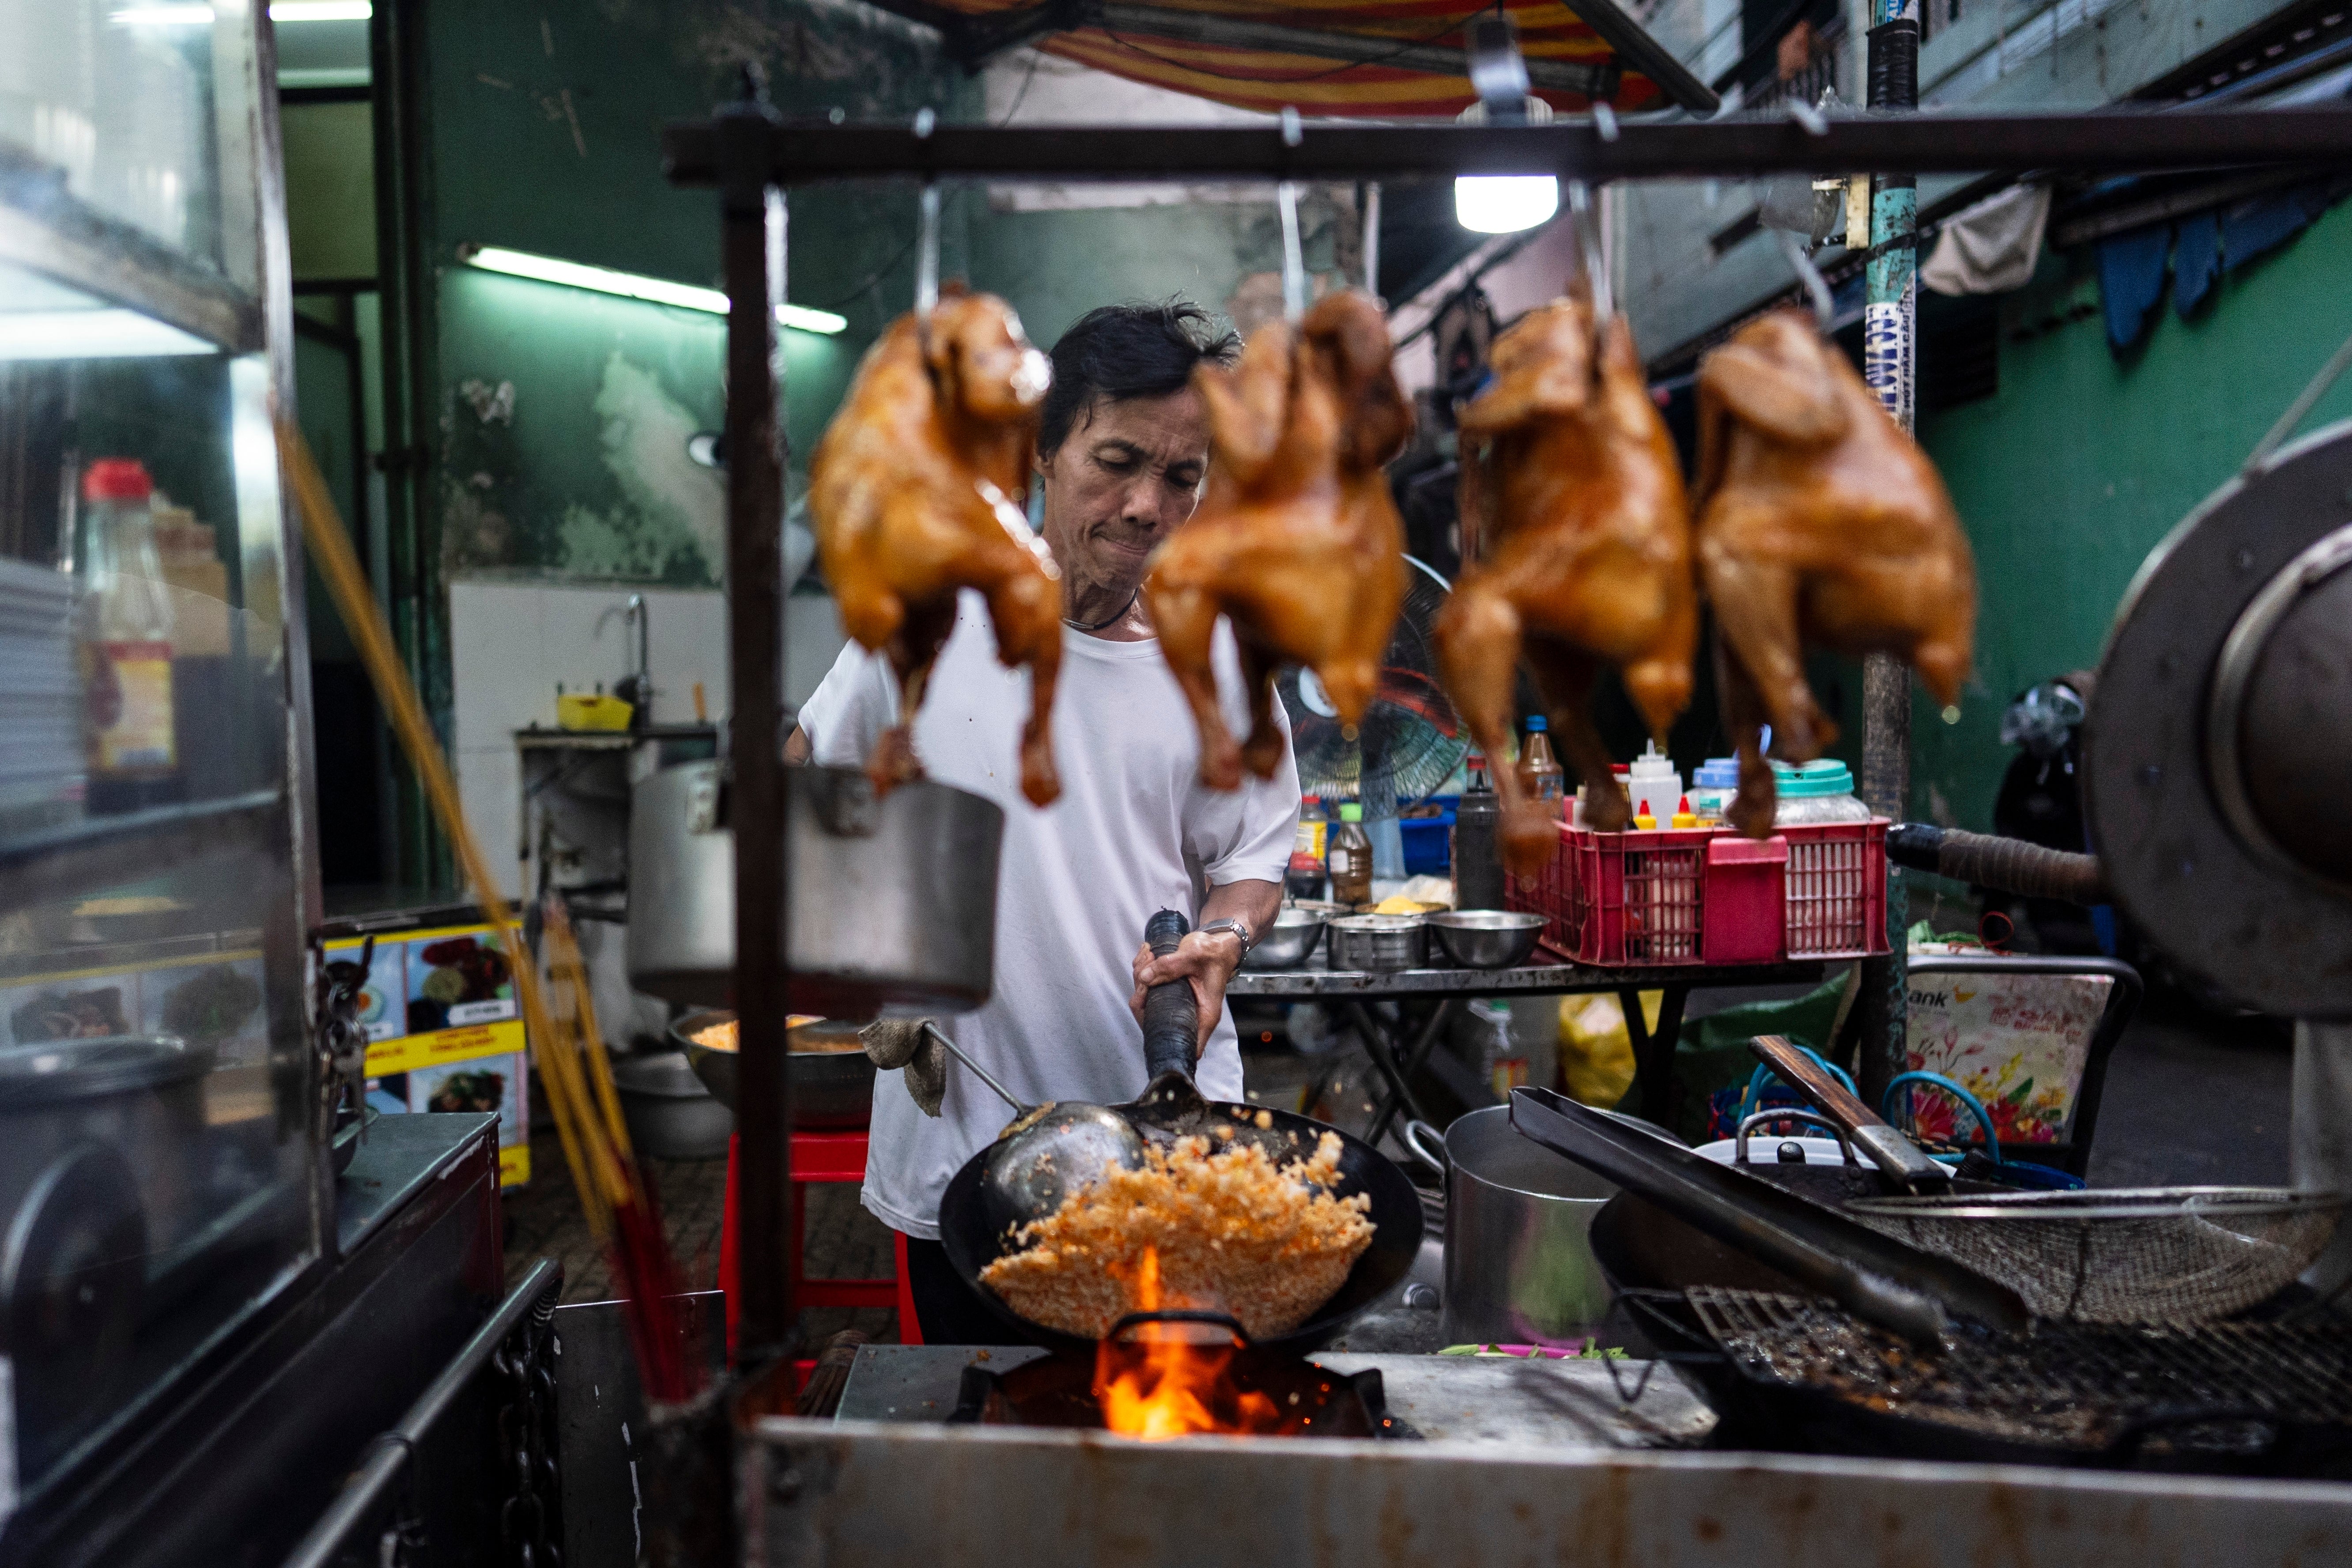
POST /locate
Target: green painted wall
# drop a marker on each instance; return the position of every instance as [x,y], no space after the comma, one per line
[2082,462]
[565,434]
[563,417]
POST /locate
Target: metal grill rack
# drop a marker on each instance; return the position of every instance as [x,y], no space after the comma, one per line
[2058,1387]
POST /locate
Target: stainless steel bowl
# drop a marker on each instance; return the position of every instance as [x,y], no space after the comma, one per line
[1486,939]
[1379,943]
[833,1091]
[1287,941]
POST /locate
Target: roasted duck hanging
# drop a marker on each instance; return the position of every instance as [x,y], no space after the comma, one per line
[1820,524]
[917,491]
[1297,538]
[1581,532]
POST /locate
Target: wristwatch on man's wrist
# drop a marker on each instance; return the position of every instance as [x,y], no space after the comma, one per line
[1239,928]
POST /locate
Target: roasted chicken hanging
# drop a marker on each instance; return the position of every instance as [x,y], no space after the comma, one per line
[916,490]
[1822,524]
[1570,489]
[1297,538]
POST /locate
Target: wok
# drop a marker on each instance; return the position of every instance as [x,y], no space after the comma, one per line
[973,1233]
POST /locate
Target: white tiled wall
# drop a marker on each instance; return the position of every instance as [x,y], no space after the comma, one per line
[511,642]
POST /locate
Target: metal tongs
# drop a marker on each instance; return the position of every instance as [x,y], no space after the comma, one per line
[1876,1277]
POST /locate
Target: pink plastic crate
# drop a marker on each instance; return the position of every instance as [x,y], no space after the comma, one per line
[1681,896]
[1837,890]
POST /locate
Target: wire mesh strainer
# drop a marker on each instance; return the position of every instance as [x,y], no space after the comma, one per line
[2125,1254]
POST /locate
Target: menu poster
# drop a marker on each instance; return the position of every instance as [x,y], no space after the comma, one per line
[215,1005]
[384,996]
[456,980]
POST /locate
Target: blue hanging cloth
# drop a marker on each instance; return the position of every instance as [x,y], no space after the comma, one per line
[2267,222]
[2131,280]
[2196,260]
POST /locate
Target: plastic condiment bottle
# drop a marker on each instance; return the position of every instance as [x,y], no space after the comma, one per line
[1683,815]
[1539,773]
[132,737]
[1643,819]
[1305,878]
[1349,858]
[1652,778]
[1477,868]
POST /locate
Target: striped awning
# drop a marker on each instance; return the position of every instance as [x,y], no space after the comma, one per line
[1381,59]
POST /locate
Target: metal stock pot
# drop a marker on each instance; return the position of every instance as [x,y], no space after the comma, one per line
[1518,1269]
[893,901]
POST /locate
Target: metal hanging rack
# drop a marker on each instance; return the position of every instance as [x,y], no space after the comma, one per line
[749,152]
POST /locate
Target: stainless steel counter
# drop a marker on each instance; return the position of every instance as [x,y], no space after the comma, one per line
[860,1494]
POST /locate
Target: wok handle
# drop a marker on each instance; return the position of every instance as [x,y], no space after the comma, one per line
[1899,1159]
[1172,1014]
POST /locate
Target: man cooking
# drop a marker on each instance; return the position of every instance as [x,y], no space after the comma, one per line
[1122,448]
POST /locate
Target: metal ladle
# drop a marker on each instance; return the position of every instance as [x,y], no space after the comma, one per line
[1050,1150]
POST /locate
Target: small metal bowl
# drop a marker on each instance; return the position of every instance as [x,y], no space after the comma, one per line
[1380,944]
[1287,941]
[1486,939]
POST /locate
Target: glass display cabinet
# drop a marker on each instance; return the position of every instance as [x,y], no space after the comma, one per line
[164,1150]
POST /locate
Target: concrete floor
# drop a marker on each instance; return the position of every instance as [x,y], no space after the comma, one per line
[2194,1099]
[2191,1098]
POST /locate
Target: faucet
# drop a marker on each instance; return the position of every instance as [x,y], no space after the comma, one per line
[636,688]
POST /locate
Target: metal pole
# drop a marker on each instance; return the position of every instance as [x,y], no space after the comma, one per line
[1889,335]
[752,246]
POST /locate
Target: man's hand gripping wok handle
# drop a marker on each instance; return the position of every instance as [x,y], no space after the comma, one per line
[1172,1014]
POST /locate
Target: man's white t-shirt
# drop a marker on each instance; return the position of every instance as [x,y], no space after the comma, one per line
[1135,831]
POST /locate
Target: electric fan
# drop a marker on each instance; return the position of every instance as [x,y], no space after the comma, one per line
[1411,737]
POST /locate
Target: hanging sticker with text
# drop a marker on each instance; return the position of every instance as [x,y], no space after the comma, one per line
[1887,353]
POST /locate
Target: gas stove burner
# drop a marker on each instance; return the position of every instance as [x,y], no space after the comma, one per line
[1057,1390]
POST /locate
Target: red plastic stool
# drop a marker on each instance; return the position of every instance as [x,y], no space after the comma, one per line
[818,1157]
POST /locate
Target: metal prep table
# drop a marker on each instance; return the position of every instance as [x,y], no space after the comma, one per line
[1397,1059]
[863,1494]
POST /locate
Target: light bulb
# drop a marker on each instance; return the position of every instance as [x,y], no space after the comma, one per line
[1505,204]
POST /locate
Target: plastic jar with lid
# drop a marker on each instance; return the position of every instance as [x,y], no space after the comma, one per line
[1713,784]
[1820,791]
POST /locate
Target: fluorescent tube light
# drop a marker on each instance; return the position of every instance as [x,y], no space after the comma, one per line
[108,332]
[633,286]
[808,319]
[1505,204]
[282,11]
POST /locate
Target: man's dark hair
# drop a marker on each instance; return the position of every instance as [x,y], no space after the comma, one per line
[1119,352]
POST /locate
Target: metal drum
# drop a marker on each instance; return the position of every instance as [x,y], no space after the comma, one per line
[1518,1269]
[893,901]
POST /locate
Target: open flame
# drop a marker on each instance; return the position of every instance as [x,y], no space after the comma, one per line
[1154,1382]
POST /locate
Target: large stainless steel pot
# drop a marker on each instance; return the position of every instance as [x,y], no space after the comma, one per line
[1518,1269]
[893,902]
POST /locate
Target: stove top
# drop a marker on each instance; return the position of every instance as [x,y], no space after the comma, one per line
[1305,1400]
[1486,1400]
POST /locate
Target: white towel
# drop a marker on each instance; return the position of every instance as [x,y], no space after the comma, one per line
[1991,248]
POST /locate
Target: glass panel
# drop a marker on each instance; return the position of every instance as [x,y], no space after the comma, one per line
[156,1161]
[130,101]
